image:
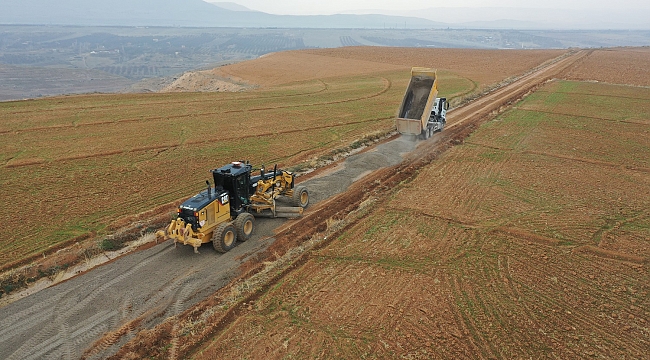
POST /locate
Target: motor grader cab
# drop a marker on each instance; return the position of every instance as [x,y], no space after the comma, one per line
[224,213]
[236,179]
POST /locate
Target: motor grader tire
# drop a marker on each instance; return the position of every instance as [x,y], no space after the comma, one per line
[300,197]
[244,224]
[224,237]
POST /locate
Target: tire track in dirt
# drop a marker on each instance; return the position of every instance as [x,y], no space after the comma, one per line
[187,143]
[466,191]
[588,161]
[404,321]
[488,297]
[567,71]
[170,300]
[567,157]
[524,235]
[465,326]
[67,306]
[324,88]
[612,255]
[558,295]
[609,96]
[582,116]
[386,81]
[109,339]
[423,212]
[189,284]
[50,340]
[580,319]
[16,322]
[507,298]
[488,282]
[153,307]
[612,226]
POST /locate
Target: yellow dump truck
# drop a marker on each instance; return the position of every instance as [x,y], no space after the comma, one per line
[422,113]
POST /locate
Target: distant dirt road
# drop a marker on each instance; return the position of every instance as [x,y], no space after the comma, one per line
[142,289]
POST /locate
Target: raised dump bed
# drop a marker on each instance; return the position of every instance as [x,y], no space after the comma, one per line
[419,98]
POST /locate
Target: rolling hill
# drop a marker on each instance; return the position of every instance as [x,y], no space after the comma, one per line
[185,13]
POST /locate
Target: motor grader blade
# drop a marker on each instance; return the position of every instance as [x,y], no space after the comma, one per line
[289,212]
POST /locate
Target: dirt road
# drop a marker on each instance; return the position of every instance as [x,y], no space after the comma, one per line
[142,289]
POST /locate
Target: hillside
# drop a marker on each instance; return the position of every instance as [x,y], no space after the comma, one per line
[191,13]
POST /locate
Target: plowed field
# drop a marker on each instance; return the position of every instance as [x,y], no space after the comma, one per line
[483,67]
[629,66]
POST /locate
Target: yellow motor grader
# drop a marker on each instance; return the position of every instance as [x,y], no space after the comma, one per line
[226,212]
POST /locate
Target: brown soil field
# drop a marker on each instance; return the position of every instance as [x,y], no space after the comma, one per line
[295,66]
[483,67]
[630,66]
[529,239]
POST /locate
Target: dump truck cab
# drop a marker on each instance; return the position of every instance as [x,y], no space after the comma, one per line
[438,117]
[439,110]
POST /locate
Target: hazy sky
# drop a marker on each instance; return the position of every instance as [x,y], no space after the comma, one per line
[333,6]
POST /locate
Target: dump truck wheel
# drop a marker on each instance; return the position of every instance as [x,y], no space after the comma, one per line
[300,197]
[244,225]
[224,237]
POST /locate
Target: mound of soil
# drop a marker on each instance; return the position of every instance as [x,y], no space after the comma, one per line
[204,81]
